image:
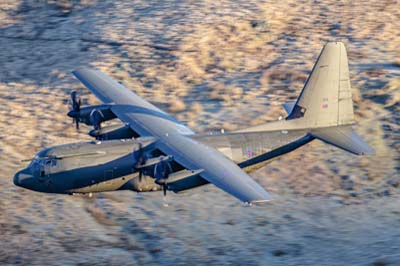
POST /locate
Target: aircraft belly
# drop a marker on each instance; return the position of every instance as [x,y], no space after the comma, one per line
[145,184]
[108,185]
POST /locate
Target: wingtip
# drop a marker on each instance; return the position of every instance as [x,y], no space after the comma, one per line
[368,150]
[80,69]
[259,202]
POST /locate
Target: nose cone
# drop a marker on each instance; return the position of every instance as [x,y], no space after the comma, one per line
[23,179]
[16,179]
[72,114]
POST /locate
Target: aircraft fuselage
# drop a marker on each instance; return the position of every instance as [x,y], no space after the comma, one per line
[99,166]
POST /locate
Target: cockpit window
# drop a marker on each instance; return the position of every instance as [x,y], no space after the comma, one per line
[35,164]
[37,167]
[42,163]
[51,162]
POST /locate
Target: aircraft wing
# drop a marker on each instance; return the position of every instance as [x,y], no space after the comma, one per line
[147,120]
[126,105]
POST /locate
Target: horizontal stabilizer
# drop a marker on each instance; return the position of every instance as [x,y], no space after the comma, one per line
[344,138]
[288,106]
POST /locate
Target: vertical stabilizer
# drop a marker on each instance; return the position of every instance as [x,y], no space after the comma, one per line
[326,97]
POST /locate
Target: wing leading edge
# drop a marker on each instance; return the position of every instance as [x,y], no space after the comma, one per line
[147,119]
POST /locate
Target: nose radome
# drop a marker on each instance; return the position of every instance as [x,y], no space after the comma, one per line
[23,178]
[16,179]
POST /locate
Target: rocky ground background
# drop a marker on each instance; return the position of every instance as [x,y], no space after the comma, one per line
[213,65]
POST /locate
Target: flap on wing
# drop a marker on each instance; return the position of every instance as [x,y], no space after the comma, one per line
[344,138]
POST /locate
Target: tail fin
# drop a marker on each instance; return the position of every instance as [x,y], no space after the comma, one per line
[324,107]
[326,97]
[325,104]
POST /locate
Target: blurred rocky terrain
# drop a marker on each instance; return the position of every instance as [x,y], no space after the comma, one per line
[213,65]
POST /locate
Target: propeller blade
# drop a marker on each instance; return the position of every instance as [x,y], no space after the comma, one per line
[140,175]
[161,174]
[96,117]
[74,106]
[139,160]
[76,101]
[165,196]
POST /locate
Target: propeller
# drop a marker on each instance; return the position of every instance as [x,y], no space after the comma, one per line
[139,160]
[161,173]
[162,169]
[74,104]
[96,117]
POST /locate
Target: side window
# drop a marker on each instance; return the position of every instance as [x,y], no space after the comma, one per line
[53,162]
[39,169]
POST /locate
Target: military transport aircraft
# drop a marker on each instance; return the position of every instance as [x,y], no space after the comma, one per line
[150,150]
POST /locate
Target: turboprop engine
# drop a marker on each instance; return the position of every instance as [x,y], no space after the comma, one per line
[92,115]
[120,131]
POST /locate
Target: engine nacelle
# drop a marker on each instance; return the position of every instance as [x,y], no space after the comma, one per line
[144,184]
[113,132]
[84,114]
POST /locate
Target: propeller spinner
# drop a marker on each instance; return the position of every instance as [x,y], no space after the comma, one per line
[161,173]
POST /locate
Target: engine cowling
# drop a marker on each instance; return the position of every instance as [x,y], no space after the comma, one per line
[84,114]
[113,132]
